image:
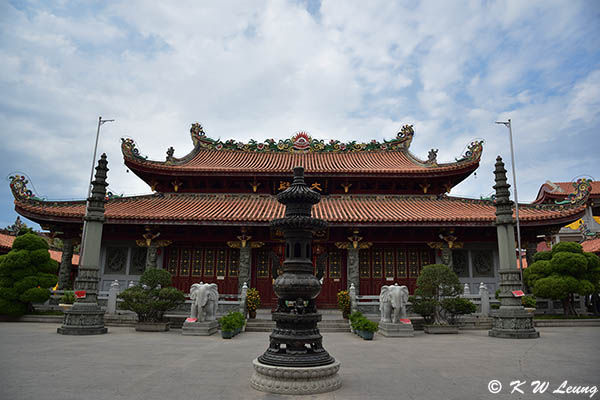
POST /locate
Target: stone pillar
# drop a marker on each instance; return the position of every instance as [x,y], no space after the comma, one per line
[66,261]
[353,246]
[151,255]
[86,317]
[245,267]
[484,295]
[111,306]
[352,269]
[447,255]
[511,320]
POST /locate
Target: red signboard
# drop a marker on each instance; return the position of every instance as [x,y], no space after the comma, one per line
[405,320]
[80,294]
[518,293]
[191,319]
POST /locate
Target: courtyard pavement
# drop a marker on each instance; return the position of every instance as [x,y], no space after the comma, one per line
[37,363]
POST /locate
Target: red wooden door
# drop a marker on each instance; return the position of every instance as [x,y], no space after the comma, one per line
[334,278]
[262,277]
[390,265]
[204,264]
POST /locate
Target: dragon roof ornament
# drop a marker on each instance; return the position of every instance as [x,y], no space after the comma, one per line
[473,152]
[583,188]
[18,186]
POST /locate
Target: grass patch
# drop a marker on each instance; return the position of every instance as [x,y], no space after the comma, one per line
[563,317]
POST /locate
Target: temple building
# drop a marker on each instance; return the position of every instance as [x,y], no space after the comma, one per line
[389,213]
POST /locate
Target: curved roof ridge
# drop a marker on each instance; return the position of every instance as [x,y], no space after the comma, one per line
[316,155]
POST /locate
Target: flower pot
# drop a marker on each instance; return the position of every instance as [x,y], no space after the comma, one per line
[367,335]
[226,334]
[237,330]
[152,326]
[252,314]
[440,329]
[345,314]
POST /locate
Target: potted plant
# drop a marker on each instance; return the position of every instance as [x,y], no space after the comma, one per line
[436,282]
[231,324]
[252,302]
[151,298]
[343,299]
[66,300]
[354,317]
[366,329]
[227,324]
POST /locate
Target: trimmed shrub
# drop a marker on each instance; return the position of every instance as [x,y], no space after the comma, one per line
[152,297]
[26,275]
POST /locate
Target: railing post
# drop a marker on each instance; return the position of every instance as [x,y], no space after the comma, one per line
[111,306]
[243,294]
[353,305]
[485,299]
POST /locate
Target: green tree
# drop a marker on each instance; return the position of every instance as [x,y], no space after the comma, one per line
[435,282]
[563,272]
[26,275]
[152,297]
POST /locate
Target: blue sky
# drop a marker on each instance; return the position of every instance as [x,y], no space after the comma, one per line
[348,70]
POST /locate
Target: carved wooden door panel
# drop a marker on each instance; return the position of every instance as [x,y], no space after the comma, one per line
[334,278]
[262,278]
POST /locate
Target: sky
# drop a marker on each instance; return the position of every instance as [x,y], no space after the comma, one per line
[347,70]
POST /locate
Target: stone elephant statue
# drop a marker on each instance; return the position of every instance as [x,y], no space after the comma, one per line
[205,298]
[392,303]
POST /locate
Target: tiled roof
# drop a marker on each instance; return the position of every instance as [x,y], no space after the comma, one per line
[260,209]
[357,163]
[591,246]
[6,242]
[560,190]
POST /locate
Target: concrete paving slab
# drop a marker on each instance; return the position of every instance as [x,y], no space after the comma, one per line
[124,364]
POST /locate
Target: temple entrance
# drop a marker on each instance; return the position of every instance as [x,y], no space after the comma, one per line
[330,265]
[265,269]
[189,265]
[381,266]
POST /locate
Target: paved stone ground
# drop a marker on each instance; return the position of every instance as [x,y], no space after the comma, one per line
[37,363]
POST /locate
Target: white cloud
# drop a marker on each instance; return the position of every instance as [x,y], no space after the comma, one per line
[267,69]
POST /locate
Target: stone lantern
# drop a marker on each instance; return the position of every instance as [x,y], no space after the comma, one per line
[296,362]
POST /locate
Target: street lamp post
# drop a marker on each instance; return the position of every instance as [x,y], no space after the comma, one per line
[89,193]
[100,123]
[512,159]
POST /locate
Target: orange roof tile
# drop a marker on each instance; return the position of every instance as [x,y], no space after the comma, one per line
[260,209]
[6,242]
[591,246]
[357,163]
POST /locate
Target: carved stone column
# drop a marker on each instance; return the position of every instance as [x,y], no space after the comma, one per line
[152,245]
[511,320]
[353,246]
[244,275]
[86,317]
[66,261]
[245,265]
